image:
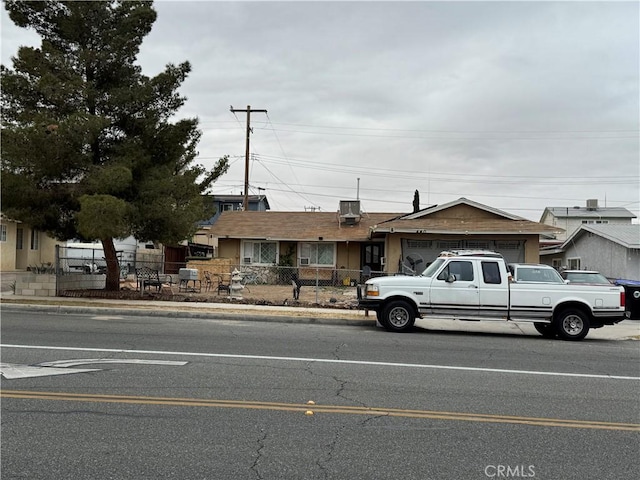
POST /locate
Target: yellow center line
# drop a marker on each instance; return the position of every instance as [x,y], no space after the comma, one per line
[335,409]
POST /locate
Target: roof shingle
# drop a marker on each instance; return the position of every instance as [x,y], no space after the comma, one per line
[310,226]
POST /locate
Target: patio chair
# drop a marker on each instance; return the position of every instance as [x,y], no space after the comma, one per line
[222,285]
[208,282]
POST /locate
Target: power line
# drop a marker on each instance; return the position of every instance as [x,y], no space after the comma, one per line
[633,131]
[478,138]
[465,178]
[286,184]
[313,164]
[282,149]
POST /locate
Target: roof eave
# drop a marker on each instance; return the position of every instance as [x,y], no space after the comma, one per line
[454,232]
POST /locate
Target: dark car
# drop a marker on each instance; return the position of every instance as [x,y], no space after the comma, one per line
[589,277]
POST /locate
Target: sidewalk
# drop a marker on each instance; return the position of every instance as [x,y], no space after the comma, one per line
[626,330]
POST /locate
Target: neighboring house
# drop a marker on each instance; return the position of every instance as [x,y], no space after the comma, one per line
[230,203]
[571,218]
[226,203]
[386,242]
[22,247]
[613,250]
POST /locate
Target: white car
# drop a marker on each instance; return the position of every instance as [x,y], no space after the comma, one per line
[587,277]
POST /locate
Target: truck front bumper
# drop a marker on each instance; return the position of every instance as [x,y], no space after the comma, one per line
[369,304]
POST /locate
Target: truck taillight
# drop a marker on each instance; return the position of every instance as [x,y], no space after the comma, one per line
[622,304]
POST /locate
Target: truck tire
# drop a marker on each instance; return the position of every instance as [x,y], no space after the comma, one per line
[380,317]
[547,330]
[572,324]
[398,316]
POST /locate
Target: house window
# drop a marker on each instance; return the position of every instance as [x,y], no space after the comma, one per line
[317,254]
[556,263]
[415,244]
[19,238]
[477,245]
[505,245]
[574,263]
[448,245]
[227,207]
[264,253]
[3,233]
[35,240]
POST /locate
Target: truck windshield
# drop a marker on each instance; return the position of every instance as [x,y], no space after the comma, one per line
[431,269]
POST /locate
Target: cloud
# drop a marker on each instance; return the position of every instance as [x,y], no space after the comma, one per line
[519,105]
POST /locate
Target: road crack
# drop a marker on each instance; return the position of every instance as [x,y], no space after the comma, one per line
[261,445]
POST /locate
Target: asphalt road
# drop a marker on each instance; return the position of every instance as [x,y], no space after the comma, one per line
[206,399]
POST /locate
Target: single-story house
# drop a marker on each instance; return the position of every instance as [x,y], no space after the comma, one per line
[611,249]
[22,247]
[378,242]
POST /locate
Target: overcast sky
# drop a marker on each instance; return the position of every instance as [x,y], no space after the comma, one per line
[516,105]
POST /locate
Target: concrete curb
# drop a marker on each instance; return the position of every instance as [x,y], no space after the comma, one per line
[626,330]
[207,315]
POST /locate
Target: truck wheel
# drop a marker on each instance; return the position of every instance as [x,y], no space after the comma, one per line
[398,316]
[380,317]
[547,330]
[572,324]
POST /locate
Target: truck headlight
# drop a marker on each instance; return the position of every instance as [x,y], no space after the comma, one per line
[372,290]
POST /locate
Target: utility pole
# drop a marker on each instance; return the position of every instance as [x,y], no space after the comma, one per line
[246,159]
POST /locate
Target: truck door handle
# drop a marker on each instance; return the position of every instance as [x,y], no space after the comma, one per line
[473,286]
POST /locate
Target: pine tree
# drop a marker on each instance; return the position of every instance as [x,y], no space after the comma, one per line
[89,149]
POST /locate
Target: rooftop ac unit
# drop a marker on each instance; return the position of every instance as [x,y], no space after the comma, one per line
[349,207]
[592,204]
[350,211]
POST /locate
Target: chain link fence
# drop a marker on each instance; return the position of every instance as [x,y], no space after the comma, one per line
[84,269]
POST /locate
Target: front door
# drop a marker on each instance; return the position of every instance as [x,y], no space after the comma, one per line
[371,257]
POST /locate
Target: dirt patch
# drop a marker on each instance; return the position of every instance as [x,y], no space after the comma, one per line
[327,297]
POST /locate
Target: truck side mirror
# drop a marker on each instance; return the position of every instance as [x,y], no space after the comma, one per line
[451,278]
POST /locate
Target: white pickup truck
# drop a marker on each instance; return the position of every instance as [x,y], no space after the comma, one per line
[479,286]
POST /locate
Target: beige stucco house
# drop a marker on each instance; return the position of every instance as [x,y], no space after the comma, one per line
[386,242]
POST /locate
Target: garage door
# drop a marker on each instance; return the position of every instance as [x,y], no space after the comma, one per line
[418,254]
